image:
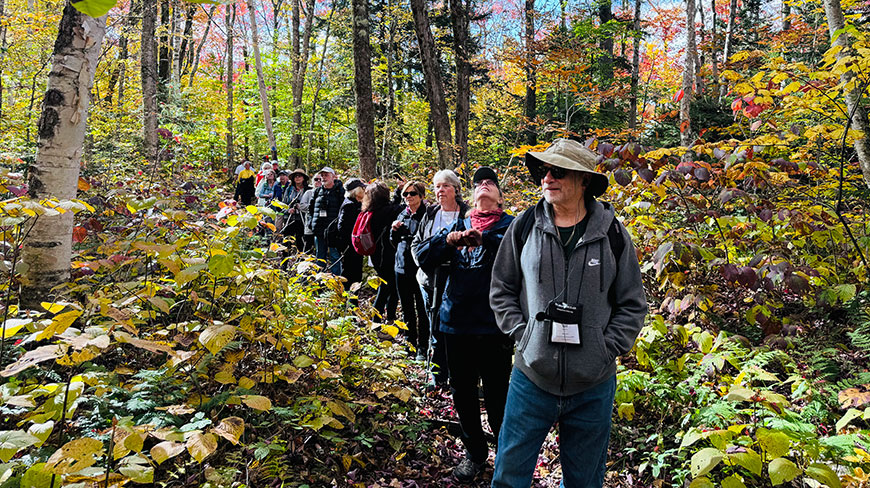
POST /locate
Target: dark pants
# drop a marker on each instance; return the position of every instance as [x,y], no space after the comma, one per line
[436,355]
[413,311]
[351,266]
[387,299]
[472,359]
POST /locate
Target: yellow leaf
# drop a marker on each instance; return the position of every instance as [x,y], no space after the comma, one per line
[257,402]
[52,307]
[403,394]
[225,375]
[166,450]
[252,209]
[246,383]
[12,326]
[231,429]
[161,303]
[201,446]
[83,184]
[136,440]
[341,408]
[75,455]
[215,337]
[392,330]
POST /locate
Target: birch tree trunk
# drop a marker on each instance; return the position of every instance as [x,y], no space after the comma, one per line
[55,173]
[434,85]
[836,22]
[261,82]
[714,58]
[530,109]
[729,39]
[362,84]
[299,85]
[686,135]
[148,63]
[229,20]
[459,12]
[635,67]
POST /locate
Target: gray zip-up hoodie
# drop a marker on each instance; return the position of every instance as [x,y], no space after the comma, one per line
[525,280]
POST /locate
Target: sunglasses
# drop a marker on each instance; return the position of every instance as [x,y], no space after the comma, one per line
[317,179]
[484,183]
[539,171]
[410,194]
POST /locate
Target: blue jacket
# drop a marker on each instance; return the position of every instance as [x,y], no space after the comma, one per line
[465,303]
[401,239]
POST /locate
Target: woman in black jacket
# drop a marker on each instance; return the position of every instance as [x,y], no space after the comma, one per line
[377,201]
[351,262]
[403,230]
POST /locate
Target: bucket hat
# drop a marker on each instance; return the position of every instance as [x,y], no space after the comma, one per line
[299,171]
[570,155]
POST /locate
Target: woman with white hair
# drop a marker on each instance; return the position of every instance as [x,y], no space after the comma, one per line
[438,219]
[351,262]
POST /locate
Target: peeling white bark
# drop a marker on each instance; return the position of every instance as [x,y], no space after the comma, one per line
[55,173]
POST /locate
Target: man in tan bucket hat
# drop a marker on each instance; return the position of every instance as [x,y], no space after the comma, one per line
[566,286]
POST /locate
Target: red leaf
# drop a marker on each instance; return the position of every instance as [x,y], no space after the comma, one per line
[736,105]
[678,96]
[79,234]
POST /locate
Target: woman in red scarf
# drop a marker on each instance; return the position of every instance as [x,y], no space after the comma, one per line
[477,350]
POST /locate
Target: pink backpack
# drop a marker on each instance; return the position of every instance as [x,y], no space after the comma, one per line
[361,238]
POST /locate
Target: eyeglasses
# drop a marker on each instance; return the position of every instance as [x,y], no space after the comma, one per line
[539,171]
[410,194]
[484,183]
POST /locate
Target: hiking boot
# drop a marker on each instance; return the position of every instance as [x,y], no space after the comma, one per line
[467,470]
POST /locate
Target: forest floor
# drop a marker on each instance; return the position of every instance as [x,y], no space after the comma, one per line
[437,406]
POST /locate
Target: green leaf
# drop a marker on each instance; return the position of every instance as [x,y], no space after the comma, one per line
[692,436]
[740,394]
[220,265]
[824,474]
[38,476]
[750,460]
[705,460]
[95,8]
[851,414]
[733,481]
[12,441]
[782,470]
[775,444]
[702,482]
[137,469]
[302,361]
[705,342]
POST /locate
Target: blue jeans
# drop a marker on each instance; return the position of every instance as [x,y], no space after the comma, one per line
[329,255]
[584,432]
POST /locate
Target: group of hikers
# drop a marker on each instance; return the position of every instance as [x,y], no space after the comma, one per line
[535,308]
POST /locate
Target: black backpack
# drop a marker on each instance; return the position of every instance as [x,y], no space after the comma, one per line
[526,221]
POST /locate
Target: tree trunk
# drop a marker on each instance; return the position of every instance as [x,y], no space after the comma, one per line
[459,13]
[55,173]
[164,56]
[686,136]
[836,22]
[148,53]
[607,107]
[299,85]
[389,52]
[201,43]
[434,85]
[317,89]
[362,84]
[786,20]
[186,39]
[119,73]
[714,58]
[635,67]
[267,117]
[530,108]
[230,19]
[729,39]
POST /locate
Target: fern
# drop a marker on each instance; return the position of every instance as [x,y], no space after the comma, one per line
[860,337]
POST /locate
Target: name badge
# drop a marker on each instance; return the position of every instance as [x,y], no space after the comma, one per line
[322,213]
[565,333]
